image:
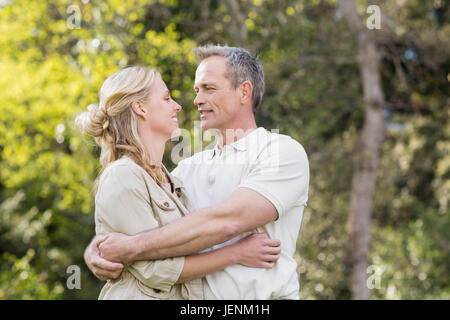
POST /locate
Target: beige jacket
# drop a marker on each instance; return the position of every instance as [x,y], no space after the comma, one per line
[129,201]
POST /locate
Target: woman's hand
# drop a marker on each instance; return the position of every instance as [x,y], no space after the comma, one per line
[257,251]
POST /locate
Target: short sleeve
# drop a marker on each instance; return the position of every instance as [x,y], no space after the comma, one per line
[280,174]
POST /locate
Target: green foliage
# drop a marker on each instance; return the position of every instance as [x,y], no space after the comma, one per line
[18,280]
[26,277]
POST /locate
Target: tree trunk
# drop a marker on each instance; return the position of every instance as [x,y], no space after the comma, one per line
[238,26]
[366,153]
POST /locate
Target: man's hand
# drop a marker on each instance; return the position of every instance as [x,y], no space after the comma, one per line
[101,268]
[116,247]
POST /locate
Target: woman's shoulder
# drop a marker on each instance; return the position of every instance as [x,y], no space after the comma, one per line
[125,163]
[123,170]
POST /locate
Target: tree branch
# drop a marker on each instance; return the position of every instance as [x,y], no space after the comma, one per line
[239,28]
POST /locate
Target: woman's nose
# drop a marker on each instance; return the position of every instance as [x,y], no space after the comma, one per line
[178,107]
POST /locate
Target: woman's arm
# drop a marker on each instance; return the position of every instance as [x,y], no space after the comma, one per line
[121,193]
[256,250]
[122,204]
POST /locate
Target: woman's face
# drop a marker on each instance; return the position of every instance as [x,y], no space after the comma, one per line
[162,110]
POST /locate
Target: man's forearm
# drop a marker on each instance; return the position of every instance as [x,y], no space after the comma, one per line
[191,234]
[243,211]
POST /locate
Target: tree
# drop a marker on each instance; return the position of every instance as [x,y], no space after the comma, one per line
[367,151]
[50,71]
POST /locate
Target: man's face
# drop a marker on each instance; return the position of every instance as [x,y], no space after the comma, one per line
[216,100]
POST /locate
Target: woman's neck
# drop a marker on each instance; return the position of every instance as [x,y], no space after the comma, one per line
[155,146]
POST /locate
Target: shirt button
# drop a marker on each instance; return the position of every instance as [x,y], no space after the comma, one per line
[166,204]
[211,179]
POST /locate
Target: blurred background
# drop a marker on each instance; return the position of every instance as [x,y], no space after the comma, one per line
[364,90]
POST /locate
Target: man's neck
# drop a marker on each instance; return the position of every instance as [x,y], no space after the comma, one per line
[236,132]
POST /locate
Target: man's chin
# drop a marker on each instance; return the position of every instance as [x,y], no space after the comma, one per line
[206,125]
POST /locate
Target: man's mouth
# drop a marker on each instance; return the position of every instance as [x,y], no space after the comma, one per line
[204,113]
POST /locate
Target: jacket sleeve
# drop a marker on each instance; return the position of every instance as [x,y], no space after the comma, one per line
[122,204]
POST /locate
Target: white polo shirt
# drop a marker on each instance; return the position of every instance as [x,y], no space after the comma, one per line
[274,165]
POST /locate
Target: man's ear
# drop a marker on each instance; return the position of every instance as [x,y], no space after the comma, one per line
[139,110]
[246,90]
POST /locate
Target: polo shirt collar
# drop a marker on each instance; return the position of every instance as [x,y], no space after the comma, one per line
[240,145]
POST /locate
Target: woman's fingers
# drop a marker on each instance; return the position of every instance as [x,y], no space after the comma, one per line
[268,265]
[272,250]
[273,242]
[271,257]
[269,260]
[266,241]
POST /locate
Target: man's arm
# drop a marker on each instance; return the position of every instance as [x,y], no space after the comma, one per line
[243,211]
[279,180]
[101,268]
[256,251]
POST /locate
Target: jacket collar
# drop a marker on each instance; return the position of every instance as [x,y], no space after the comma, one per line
[177,184]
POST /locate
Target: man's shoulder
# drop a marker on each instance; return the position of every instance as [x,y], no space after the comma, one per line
[283,143]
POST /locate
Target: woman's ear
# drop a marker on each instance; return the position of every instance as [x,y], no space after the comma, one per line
[139,110]
[246,90]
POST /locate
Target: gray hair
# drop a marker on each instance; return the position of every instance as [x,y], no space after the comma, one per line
[242,66]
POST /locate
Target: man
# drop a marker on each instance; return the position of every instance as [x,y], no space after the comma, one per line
[252,180]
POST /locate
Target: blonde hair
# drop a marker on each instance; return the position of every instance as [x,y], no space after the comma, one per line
[113,123]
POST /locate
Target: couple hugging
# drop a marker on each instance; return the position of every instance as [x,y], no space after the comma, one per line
[224,223]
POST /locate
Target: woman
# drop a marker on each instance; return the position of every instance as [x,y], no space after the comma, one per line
[134,192]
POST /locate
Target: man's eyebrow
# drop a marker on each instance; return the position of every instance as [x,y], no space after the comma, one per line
[205,84]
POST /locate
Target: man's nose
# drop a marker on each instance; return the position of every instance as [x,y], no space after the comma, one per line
[198,100]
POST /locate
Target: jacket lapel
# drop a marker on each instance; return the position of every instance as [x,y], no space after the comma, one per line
[179,189]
